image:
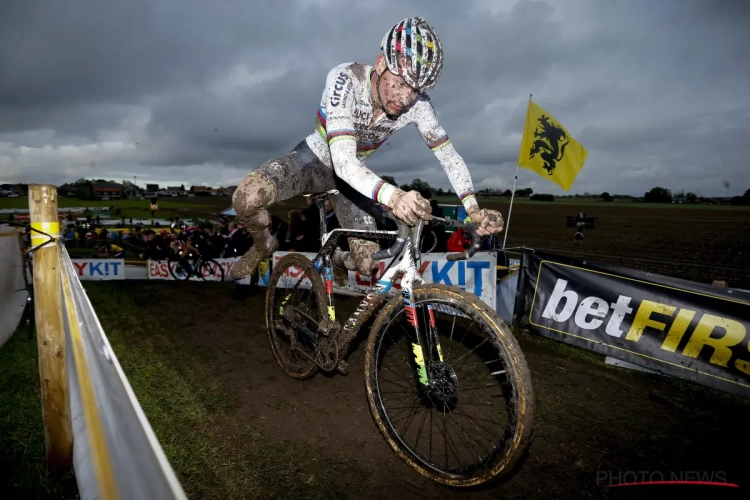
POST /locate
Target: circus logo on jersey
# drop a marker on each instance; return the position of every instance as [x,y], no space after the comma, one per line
[550,143]
[338,88]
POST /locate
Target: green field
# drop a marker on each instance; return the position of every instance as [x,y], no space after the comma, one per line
[183,207]
[213,455]
[211,207]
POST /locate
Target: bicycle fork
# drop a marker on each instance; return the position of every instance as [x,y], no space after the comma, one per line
[430,338]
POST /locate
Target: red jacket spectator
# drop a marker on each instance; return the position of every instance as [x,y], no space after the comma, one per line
[458,242]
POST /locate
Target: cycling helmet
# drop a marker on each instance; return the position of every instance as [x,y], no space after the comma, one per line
[414,38]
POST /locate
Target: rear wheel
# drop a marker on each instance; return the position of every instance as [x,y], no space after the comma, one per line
[295,306]
[472,421]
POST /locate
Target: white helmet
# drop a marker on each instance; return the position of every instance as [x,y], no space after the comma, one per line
[414,38]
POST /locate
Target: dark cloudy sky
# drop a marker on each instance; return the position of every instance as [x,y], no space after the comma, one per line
[201,92]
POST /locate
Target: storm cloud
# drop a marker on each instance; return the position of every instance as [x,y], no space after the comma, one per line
[194,92]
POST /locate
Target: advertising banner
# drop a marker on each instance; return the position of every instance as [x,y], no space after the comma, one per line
[99,269]
[680,328]
[476,275]
[159,270]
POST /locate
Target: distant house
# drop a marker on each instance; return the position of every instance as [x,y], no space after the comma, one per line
[175,191]
[722,200]
[111,191]
[67,190]
[679,199]
[130,190]
[15,189]
[203,190]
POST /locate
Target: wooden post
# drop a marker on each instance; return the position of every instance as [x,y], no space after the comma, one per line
[48,307]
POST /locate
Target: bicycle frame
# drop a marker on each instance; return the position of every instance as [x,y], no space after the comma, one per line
[406,246]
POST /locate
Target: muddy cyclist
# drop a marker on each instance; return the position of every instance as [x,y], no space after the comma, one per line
[360,108]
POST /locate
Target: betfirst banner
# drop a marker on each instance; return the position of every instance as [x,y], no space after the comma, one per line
[681,328]
[476,275]
[99,269]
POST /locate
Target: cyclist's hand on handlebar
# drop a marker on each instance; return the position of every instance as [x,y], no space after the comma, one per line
[490,221]
[410,206]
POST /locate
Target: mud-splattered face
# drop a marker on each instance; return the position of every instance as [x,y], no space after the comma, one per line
[392,93]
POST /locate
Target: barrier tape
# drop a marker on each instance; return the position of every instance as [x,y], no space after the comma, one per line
[43,232]
[121,456]
[101,462]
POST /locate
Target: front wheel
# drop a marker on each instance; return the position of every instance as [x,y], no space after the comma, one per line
[179,268]
[458,406]
[210,270]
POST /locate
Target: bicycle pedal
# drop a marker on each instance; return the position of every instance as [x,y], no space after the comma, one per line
[343,368]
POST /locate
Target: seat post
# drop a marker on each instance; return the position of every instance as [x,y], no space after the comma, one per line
[319,200]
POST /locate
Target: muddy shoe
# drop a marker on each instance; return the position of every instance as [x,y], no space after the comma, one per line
[248,264]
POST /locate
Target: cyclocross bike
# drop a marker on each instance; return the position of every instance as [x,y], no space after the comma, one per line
[183,268]
[446,380]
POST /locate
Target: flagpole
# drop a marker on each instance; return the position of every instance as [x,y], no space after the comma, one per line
[510,210]
[513,194]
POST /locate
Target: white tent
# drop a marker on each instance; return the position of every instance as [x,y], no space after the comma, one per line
[13,294]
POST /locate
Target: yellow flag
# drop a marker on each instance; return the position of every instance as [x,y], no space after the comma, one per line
[549,150]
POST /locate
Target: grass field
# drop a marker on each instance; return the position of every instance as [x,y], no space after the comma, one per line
[22,461]
[214,455]
[212,206]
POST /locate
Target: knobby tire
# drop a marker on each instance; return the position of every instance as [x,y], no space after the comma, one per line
[518,377]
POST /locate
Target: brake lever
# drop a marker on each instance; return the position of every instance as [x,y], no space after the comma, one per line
[475,240]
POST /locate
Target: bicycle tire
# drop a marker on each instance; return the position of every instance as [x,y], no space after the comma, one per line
[518,377]
[176,260]
[309,368]
[211,265]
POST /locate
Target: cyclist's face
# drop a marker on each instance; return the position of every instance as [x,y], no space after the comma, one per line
[395,94]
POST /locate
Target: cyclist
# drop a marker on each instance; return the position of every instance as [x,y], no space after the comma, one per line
[190,243]
[360,108]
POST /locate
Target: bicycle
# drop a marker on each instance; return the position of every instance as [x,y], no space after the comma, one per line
[182,269]
[426,355]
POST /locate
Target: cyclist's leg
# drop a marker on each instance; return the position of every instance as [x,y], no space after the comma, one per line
[353,212]
[276,180]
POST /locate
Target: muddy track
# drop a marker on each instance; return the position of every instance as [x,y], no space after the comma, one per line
[591,420]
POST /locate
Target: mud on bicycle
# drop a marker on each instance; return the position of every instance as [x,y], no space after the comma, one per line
[457,411]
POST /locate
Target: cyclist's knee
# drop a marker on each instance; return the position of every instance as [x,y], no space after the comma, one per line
[254,192]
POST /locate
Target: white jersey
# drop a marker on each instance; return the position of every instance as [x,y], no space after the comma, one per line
[345,134]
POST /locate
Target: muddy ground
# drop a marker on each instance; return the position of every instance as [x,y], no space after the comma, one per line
[594,424]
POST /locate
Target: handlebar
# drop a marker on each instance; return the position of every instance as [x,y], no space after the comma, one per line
[404,231]
[475,243]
